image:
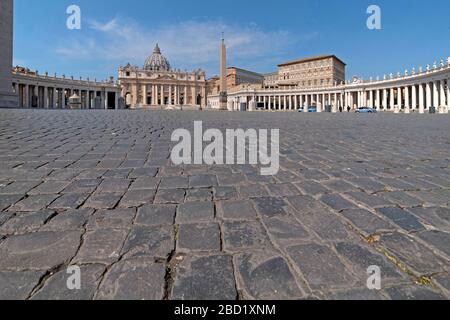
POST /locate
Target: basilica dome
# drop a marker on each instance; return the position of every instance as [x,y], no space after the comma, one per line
[157,62]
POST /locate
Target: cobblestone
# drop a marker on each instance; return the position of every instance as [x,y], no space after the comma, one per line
[352,191]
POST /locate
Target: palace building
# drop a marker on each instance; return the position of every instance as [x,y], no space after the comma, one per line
[156,84]
[317,71]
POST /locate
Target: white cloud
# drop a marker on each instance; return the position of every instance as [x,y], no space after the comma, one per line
[188,44]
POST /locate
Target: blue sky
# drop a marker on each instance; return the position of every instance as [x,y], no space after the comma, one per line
[260,34]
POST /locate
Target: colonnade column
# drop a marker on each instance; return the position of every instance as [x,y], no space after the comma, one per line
[55,97]
[442,93]
[26,96]
[421,99]
[385,99]
[407,99]
[448,94]
[106,99]
[436,94]
[392,102]
[378,104]
[428,95]
[46,102]
[413,97]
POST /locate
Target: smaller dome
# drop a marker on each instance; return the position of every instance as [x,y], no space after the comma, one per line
[157,62]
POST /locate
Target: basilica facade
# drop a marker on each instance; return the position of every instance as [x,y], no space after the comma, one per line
[156,84]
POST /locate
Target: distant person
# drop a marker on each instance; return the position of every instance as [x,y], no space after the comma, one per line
[348,109]
[340,109]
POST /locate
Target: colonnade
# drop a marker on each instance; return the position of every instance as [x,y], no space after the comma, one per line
[164,95]
[421,92]
[42,91]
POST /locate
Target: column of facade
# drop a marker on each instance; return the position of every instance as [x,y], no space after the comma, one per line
[46,102]
[378,98]
[407,107]
[158,90]
[392,101]
[442,93]
[399,98]
[371,104]
[318,103]
[346,100]
[413,97]
[144,94]
[106,99]
[86,99]
[421,99]
[170,95]
[359,99]
[55,98]
[436,94]
[385,99]
[152,92]
[36,95]
[448,94]
[428,95]
[134,93]
[26,96]
[341,101]
[116,100]
[162,94]
[194,102]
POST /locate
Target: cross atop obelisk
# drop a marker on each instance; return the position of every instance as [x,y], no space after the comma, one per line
[223,75]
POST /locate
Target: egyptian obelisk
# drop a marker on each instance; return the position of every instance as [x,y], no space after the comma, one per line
[7,97]
[223,99]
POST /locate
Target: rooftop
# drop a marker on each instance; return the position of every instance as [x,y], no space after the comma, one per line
[311,59]
[247,71]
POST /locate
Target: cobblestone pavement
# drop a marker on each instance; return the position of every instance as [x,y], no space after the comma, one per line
[97,189]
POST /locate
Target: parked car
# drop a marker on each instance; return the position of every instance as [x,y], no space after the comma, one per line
[366,110]
[310,109]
